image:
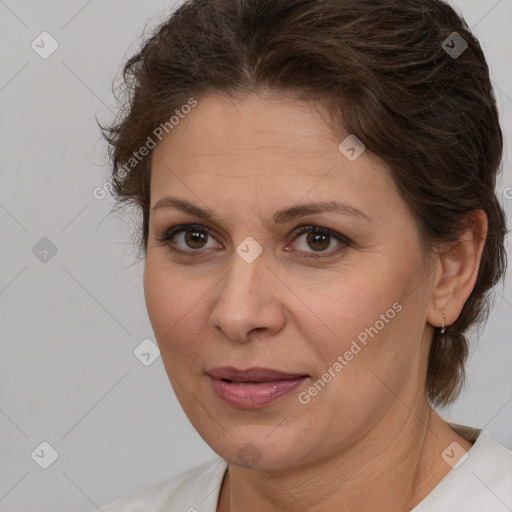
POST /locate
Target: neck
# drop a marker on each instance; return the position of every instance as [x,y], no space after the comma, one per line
[391,469]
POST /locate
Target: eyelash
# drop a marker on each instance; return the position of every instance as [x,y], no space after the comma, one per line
[169,234]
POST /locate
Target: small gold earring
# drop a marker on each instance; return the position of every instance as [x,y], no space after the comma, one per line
[443,328]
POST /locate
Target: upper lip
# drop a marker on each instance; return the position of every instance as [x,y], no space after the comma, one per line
[254,374]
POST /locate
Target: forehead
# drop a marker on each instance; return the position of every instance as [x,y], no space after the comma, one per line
[269,127]
[272,146]
[252,123]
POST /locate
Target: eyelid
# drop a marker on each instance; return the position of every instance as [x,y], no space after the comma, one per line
[180,228]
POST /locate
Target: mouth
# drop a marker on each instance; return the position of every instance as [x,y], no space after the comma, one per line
[253,387]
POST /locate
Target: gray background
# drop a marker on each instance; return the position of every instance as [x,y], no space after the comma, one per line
[69,325]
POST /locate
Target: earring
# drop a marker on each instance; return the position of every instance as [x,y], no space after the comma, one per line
[443,328]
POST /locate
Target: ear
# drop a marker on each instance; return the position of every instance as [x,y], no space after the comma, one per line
[458,266]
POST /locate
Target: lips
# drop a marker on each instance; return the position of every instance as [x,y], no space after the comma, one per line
[255,374]
[254,387]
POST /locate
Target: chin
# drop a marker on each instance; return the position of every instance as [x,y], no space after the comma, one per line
[254,448]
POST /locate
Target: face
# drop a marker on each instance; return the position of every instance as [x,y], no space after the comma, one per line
[341,308]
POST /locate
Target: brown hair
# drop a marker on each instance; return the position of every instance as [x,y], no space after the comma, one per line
[381,69]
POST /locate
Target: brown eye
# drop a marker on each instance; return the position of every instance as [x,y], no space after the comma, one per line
[318,240]
[195,239]
[188,238]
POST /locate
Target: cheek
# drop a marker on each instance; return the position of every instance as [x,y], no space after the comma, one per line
[365,337]
[160,301]
[352,305]
[175,305]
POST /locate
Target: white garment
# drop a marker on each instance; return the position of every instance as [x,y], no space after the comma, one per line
[480,483]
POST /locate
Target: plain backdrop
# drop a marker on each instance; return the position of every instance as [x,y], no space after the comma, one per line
[72,308]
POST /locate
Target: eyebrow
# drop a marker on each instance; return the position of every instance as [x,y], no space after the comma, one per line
[280,217]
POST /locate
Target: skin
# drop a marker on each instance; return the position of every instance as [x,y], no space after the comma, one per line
[367,441]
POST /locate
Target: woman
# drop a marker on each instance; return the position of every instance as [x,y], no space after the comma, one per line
[319,227]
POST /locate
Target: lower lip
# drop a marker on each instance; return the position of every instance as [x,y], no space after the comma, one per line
[253,396]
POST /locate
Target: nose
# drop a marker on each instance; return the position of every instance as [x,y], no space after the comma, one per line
[248,303]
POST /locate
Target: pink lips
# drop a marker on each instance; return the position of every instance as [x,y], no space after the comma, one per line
[260,386]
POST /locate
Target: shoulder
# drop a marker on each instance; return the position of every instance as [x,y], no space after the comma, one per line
[481,481]
[195,489]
